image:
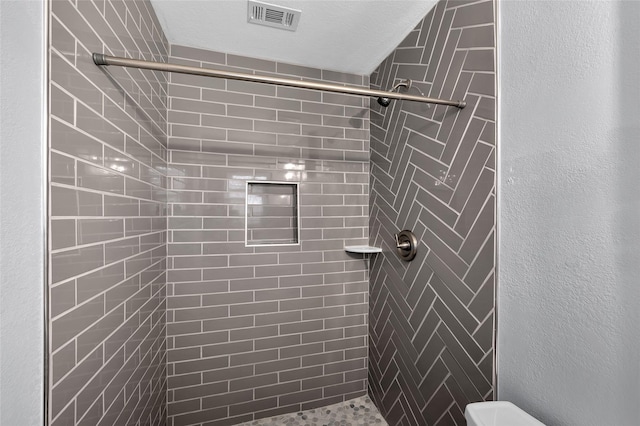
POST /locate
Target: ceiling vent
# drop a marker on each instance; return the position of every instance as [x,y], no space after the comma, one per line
[273,16]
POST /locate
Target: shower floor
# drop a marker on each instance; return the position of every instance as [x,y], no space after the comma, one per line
[359,411]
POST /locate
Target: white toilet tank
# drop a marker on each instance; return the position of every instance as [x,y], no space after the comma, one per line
[498,413]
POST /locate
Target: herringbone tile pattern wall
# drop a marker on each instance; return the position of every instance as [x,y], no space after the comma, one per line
[433,168]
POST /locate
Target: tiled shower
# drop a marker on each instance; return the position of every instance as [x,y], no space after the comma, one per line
[160,311]
[433,171]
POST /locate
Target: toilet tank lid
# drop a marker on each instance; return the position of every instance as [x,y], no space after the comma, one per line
[498,413]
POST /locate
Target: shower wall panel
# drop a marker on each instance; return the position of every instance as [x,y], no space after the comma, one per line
[107,239]
[433,171]
[257,331]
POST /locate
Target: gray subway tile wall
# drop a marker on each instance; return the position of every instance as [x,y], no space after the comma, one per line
[259,331]
[433,171]
[108,217]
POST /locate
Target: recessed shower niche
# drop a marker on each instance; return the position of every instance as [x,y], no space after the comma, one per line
[271,216]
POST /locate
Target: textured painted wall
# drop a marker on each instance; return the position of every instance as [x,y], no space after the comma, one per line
[256,331]
[107,217]
[22,211]
[433,170]
[568,336]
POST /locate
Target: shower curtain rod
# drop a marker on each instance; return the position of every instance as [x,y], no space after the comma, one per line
[101,59]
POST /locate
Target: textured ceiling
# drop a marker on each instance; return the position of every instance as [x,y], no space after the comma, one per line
[349,36]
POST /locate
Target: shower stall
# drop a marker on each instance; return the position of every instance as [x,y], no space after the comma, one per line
[201,268]
[184,245]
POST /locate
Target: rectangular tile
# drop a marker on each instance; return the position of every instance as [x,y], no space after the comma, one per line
[474,14]
[298,70]
[94,230]
[201,365]
[73,262]
[251,88]
[226,349]
[63,233]
[477,37]
[479,60]
[253,382]
[71,202]
[204,55]
[200,313]
[63,169]
[223,96]
[97,178]
[200,416]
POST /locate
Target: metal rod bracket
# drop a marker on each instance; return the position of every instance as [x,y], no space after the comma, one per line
[99,59]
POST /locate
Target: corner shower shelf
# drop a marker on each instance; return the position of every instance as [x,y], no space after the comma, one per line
[362,249]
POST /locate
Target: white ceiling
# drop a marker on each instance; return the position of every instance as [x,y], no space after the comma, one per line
[350,36]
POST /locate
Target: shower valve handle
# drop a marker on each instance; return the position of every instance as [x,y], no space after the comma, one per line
[405,245]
